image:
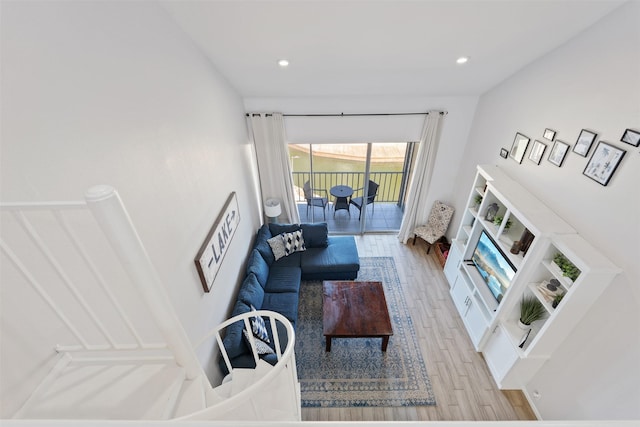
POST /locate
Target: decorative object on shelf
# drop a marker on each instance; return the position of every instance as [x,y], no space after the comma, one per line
[558,153]
[272,209]
[603,163]
[537,151]
[519,147]
[515,248]
[631,136]
[525,240]
[567,267]
[498,221]
[557,299]
[524,338]
[531,309]
[504,153]
[549,134]
[477,199]
[492,210]
[583,144]
[211,254]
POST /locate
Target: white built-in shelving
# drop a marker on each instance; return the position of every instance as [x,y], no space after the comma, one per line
[493,325]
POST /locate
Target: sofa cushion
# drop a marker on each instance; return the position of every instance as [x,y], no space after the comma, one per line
[277,247]
[251,292]
[258,266]
[233,341]
[283,279]
[293,242]
[340,256]
[292,260]
[282,228]
[285,303]
[262,245]
[315,235]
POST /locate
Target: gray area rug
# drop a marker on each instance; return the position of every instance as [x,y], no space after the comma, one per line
[356,372]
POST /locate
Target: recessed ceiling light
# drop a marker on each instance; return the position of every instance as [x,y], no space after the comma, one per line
[283,63]
[462,60]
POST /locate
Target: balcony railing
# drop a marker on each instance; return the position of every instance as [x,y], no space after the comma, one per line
[391,184]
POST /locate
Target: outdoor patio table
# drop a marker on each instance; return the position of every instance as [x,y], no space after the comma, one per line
[342,194]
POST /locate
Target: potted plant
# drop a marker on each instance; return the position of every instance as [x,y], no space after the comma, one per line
[531,309]
[477,200]
[498,220]
[568,269]
[556,300]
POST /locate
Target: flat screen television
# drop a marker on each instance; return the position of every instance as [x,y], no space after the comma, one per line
[494,266]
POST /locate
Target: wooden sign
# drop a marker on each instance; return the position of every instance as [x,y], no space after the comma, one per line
[212,252]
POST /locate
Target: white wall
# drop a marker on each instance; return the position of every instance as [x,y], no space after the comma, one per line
[113,92]
[593,82]
[455,129]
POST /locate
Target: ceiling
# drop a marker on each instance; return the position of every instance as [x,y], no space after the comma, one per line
[391,48]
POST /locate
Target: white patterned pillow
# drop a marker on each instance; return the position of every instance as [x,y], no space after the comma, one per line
[293,242]
[261,347]
[258,327]
[277,246]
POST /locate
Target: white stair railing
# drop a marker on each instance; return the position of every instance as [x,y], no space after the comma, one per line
[244,404]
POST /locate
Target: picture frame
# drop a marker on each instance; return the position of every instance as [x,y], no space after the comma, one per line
[211,254]
[537,151]
[558,153]
[549,134]
[584,142]
[504,153]
[631,137]
[519,147]
[603,163]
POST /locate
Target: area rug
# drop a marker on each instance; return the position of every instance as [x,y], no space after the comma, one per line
[356,372]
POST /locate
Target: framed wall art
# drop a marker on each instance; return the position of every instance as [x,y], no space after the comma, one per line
[549,134]
[631,137]
[558,153]
[519,146]
[583,144]
[504,153]
[211,254]
[537,151]
[603,163]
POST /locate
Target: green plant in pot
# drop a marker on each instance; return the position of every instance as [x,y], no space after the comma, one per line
[568,269]
[477,200]
[498,220]
[556,300]
[531,309]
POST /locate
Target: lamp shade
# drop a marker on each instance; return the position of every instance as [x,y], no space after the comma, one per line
[272,208]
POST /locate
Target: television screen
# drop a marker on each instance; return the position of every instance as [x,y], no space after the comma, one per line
[494,267]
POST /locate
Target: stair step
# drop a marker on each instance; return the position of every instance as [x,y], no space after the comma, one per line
[245,378]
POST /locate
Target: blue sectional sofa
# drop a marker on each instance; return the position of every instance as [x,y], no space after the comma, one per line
[274,285]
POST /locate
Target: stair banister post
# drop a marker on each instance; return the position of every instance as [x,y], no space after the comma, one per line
[108,209]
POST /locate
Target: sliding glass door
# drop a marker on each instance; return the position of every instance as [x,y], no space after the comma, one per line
[355,188]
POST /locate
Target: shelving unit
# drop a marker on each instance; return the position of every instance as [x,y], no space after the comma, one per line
[492,326]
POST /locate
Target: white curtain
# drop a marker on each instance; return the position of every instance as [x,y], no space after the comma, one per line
[416,210]
[274,167]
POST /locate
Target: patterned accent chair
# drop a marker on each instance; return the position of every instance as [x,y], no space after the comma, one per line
[436,226]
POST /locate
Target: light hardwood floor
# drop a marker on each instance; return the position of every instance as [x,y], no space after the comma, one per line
[461,381]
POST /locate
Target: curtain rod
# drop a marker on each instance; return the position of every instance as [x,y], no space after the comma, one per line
[442,113]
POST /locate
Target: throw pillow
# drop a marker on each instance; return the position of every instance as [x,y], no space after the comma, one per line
[258,327]
[293,242]
[277,246]
[315,235]
[261,347]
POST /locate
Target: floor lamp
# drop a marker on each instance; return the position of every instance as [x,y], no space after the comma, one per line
[272,209]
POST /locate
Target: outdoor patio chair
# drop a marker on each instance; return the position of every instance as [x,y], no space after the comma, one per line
[315,201]
[371,197]
[436,226]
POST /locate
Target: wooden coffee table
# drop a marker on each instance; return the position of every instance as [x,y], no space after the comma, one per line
[355,310]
